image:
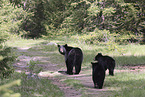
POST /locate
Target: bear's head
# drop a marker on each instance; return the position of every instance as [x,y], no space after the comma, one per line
[98,56]
[62,48]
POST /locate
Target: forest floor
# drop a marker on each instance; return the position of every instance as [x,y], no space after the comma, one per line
[50,71]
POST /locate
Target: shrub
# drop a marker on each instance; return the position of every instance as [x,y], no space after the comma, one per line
[97,37]
[5,60]
[33,68]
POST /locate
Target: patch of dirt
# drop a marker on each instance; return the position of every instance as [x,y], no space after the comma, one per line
[68,91]
[135,68]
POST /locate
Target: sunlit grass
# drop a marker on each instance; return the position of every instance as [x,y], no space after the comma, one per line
[20,42]
[126,84]
[74,83]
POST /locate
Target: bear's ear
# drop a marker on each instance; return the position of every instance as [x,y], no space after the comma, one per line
[92,63]
[58,45]
[100,54]
[65,45]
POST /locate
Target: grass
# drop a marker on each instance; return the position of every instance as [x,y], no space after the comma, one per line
[127,84]
[123,84]
[73,83]
[33,87]
[23,43]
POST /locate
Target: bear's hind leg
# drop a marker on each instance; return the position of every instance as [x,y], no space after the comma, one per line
[111,72]
[77,65]
[69,68]
[77,69]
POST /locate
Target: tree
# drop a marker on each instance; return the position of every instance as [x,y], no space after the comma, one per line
[53,17]
[75,22]
[10,22]
[116,16]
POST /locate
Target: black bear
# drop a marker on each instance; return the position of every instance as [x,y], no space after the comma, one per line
[107,62]
[98,75]
[73,57]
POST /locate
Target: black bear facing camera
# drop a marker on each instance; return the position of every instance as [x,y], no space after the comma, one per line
[107,61]
[73,58]
[61,49]
[98,75]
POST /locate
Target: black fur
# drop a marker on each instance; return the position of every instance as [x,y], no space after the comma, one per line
[98,75]
[107,62]
[73,57]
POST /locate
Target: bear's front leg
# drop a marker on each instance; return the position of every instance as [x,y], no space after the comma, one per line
[97,86]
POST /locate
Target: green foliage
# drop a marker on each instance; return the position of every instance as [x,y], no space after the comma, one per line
[98,37]
[97,6]
[11,18]
[125,37]
[6,58]
[51,31]
[67,26]
[33,68]
[10,21]
[118,17]
[54,18]
[68,17]
[6,92]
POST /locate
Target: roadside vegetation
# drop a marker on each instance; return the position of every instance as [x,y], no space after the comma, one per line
[127,79]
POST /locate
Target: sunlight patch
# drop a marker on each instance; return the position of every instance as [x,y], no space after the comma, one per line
[48,74]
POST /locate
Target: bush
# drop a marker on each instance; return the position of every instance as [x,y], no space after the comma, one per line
[100,37]
[97,37]
[125,37]
[5,60]
[33,68]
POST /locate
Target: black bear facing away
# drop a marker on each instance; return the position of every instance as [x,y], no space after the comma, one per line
[73,58]
[107,61]
[98,75]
